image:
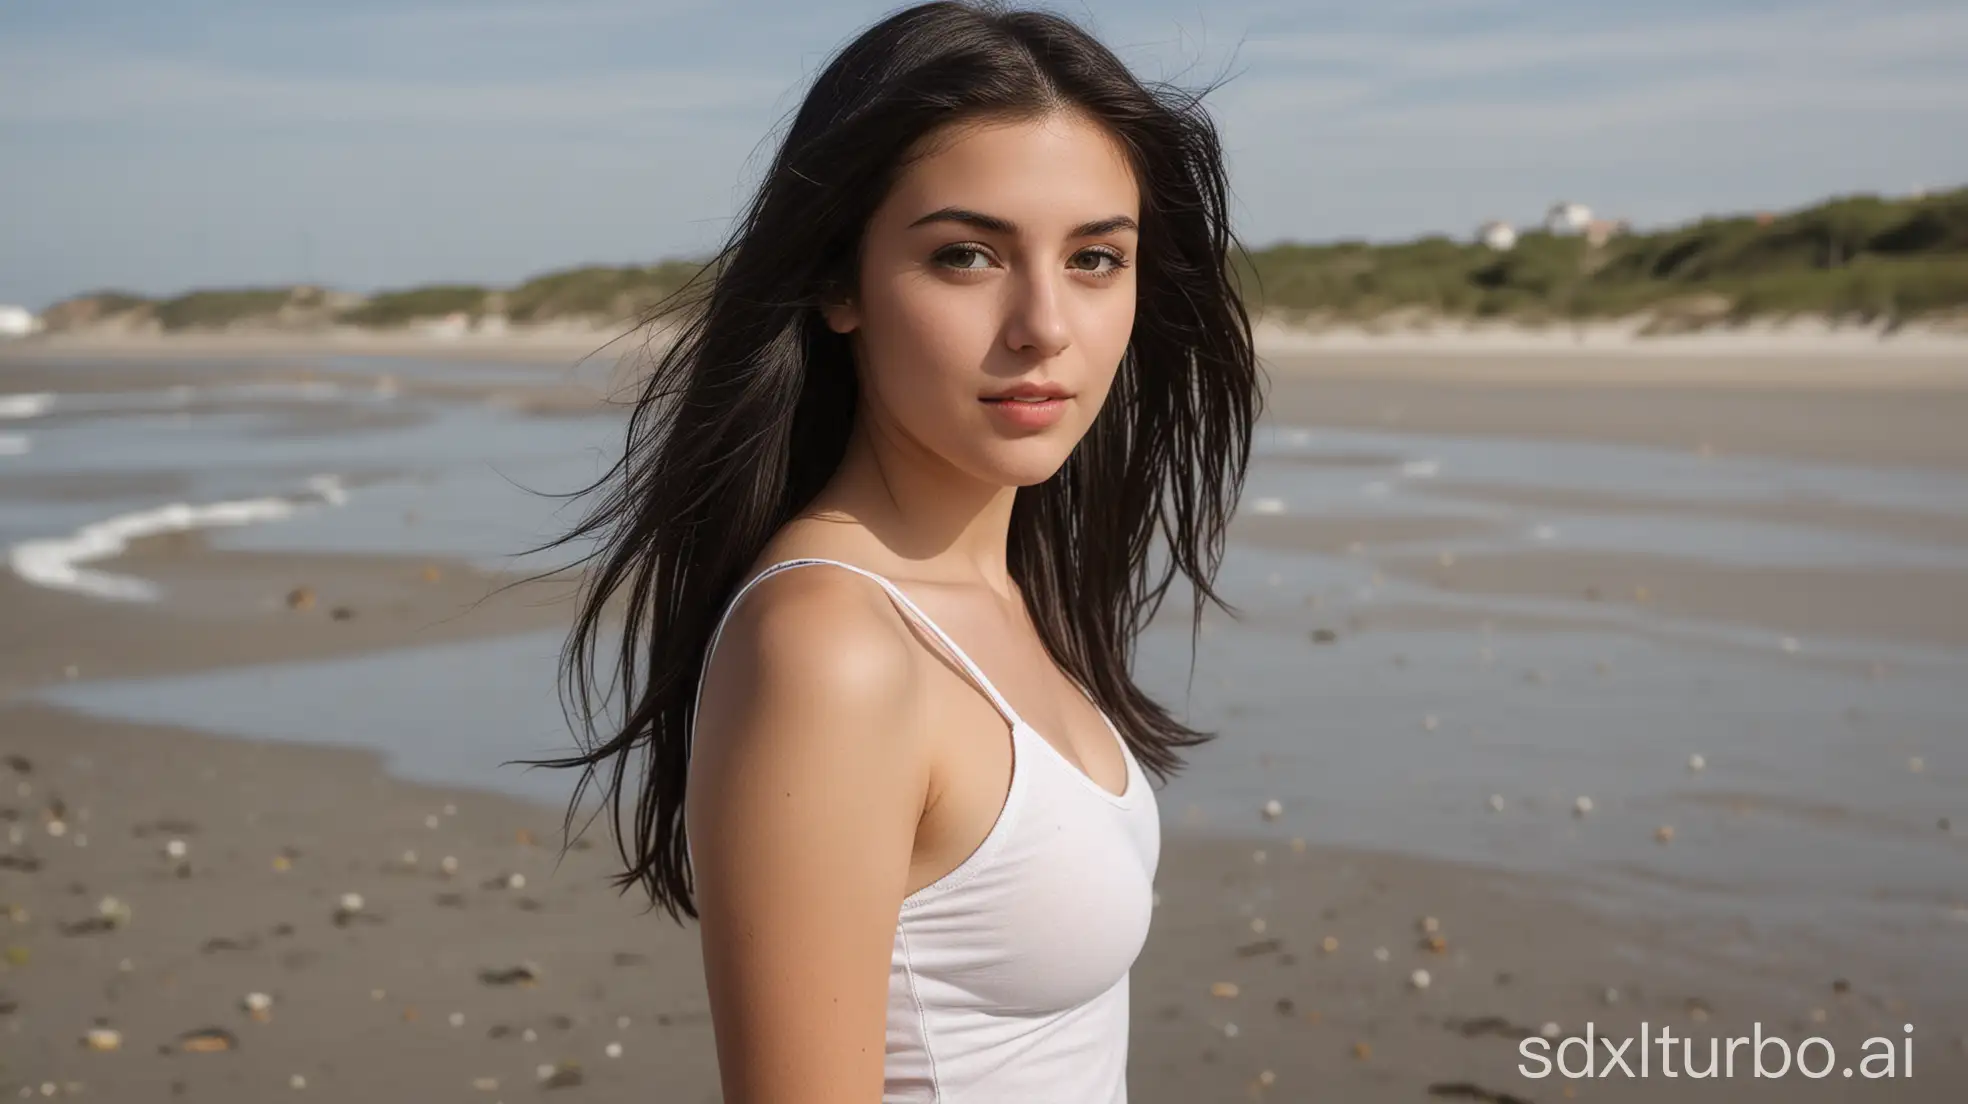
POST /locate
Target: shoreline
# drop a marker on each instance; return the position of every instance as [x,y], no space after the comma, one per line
[225,610]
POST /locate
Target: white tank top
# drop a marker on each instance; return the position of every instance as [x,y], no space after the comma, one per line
[1008,980]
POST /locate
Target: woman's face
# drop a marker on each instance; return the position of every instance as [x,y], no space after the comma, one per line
[1004,259]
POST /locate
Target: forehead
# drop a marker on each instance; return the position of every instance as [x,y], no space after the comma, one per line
[1043,174]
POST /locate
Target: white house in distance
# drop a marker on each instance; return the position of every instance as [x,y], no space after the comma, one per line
[17,321]
[1567,218]
[1498,235]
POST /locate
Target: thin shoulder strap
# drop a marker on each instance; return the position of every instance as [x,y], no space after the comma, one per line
[970,666]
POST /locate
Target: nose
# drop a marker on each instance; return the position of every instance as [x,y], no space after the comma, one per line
[1037,323]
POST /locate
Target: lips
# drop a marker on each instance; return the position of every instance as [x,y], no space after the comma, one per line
[1027,415]
[1030,392]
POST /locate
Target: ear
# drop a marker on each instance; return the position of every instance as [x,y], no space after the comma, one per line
[842,316]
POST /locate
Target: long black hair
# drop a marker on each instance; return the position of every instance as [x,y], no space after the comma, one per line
[747,412]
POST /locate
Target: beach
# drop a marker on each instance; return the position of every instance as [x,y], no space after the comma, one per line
[1607,686]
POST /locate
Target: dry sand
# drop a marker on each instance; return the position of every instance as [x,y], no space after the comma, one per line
[555,344]
[1769,348]
[1770,341]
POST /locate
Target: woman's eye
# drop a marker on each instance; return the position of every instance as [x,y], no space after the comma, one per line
[950,257]
[1114,263]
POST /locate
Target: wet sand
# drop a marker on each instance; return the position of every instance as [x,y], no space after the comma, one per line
[1802,509]
[230,608]
[1906,604]
[476,984]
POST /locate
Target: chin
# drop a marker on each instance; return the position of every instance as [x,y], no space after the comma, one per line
[1025,463]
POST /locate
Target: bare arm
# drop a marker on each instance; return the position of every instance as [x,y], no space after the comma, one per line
[805,792]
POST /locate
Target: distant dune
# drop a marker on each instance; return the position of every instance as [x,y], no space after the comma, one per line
[1849,265]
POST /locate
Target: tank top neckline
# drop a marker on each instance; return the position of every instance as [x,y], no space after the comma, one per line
[1131,774]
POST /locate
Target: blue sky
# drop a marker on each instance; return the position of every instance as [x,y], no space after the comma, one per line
[158,147]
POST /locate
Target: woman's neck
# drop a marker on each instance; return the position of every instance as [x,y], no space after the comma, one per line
[946,524]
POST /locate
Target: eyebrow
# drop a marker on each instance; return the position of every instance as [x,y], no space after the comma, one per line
[995,225]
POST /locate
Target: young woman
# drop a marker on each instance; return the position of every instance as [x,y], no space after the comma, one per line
[881,540]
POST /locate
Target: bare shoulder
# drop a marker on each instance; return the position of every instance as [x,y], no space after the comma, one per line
[820,635]
[814,677]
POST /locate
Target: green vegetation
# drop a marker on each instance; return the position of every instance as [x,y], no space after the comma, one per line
[598,291]
[399,308]
[117,302]
[1862,256]
[1880,260]
[214,309]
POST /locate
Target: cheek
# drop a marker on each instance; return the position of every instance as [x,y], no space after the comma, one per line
[1104,336]
[1116,320]
[925,344]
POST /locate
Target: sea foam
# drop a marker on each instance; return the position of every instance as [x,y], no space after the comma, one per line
[57,562]
[31,405]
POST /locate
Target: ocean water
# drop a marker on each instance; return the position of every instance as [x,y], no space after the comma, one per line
[421,474]
[1830,762]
